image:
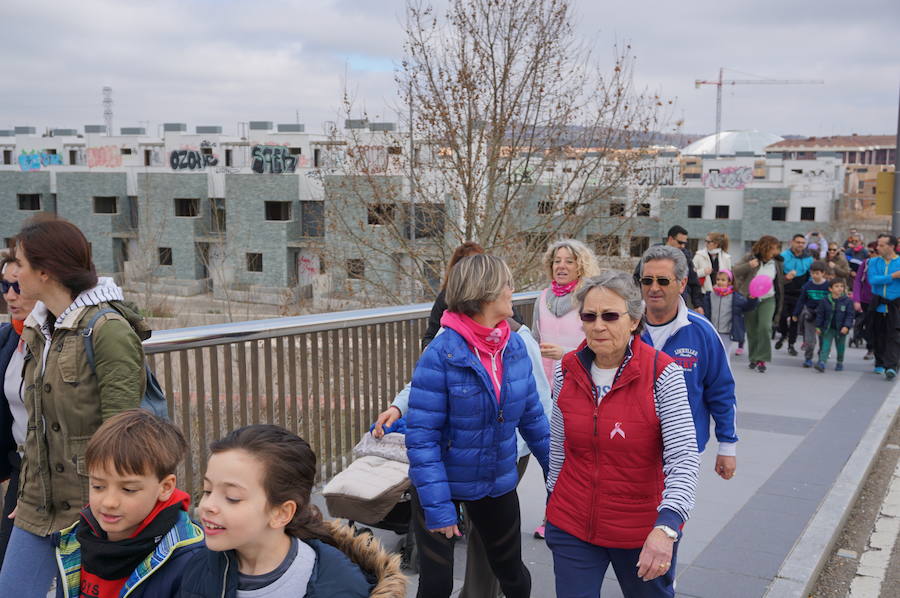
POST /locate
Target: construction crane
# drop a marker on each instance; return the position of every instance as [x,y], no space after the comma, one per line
[721,82]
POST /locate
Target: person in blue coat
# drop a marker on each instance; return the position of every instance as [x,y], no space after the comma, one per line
[471,390]
[834,320]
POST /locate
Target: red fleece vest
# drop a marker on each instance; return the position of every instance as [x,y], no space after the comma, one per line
[611,482]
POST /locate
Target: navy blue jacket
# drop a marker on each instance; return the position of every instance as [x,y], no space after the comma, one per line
[8,342]
[739,305]
[461,443]
[334,574]
[835,314]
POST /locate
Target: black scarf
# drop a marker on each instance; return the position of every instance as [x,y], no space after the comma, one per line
[116,560]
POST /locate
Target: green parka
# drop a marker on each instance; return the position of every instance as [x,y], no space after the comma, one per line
[67,402]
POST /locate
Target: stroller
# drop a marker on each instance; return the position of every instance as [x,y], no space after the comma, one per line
[375,491]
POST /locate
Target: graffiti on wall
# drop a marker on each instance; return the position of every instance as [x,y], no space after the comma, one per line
[107,156]
[191,159]
[272,159]
[34,160]
[731,177]
[656,175]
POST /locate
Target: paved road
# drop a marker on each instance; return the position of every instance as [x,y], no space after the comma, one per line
[797,430]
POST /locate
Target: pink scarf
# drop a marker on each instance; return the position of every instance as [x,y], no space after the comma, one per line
[723,291]
[563,289]
[485,342]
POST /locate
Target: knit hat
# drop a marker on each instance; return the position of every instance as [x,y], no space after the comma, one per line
[727,273]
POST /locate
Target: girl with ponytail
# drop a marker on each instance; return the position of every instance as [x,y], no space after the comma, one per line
[265,538]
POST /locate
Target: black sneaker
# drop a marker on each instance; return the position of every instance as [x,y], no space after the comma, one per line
[779,344]
[761,367]
[752,365]
[792,351]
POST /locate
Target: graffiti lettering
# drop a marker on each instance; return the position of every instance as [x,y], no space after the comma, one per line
[656,175]
[272,159]
[34,160]
[191,160]
[731,177]
[107,156]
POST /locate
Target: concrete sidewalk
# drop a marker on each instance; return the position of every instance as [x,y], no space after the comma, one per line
[797,429]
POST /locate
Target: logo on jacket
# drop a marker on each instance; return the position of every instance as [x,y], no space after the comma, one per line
[685,357]
[617,429]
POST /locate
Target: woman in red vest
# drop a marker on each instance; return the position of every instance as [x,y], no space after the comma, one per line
[623,451]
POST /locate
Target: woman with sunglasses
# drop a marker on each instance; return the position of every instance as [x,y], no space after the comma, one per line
[837,262]
[13,416]
[623,451]
[65,398]
[711,258]
[764,259]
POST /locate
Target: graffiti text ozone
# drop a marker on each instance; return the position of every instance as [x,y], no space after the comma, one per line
[191,160]
[34,160]
[273,159]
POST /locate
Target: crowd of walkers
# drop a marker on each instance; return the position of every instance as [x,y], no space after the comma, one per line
[615,391]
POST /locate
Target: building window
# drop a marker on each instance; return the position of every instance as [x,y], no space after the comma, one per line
[73,157]
[278,210]
[381,213]
[165,256]
[570,208]
[606,244]
[228,157]
[695,211]
[395,150]
[312,218]
[545,207]
[722,212]
[356,269]
[105,205]
[317,157]
[535,242]
[638,246]
[254,262]
[30,202]
[643,209]
[7,157]
[617,208]
[807,213]
[296,151]
[779,213]
[429,220]
[187,207]
[218,216]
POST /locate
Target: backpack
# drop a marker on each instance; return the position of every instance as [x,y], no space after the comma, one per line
[154,399]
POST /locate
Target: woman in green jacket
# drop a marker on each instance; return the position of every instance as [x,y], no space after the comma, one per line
[65,398]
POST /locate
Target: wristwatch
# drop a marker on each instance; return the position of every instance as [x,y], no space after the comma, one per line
[673,535]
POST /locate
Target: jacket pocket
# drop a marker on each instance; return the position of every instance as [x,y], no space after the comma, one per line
[67,362]
[77,446]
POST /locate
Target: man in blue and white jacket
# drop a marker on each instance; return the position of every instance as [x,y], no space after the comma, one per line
[692,341]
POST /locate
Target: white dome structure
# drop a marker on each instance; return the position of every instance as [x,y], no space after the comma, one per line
[731,142]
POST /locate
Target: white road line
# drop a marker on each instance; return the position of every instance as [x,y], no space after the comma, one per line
[873,563]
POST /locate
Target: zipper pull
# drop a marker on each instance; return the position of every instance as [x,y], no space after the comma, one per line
[500,416]
[595,422]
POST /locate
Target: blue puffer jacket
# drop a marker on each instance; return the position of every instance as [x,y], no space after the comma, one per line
[461,444]
[835,313]
[8,342]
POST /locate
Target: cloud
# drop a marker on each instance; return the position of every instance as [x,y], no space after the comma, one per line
[205,62]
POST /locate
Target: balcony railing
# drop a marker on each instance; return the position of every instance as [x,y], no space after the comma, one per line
[325,377]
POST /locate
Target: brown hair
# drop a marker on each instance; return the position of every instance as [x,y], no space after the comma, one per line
[465,250]
[61,249]
[289,470]
[761,247]
[476,280]
[136,442]
[720,239]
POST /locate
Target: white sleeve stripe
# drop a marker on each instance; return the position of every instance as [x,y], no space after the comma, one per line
[557,431]
[681,462]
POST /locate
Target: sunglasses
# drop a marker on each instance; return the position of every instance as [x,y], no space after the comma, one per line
[660,280]
[10,285]
[607,316]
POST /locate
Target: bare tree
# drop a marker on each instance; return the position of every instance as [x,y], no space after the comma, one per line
[517,134]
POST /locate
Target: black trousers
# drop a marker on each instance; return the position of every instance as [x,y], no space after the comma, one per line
[499,525]
[787,327]
[885,337]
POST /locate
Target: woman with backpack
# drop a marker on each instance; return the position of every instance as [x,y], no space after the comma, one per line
[66,396]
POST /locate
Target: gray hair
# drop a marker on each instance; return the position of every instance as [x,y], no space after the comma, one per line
[618,282]
[666,252]
[475,280]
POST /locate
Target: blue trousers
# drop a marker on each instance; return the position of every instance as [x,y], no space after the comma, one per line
[579,568]
[29,565]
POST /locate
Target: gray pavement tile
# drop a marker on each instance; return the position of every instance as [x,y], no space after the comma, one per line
[700,582]
[781,424]
[774,503]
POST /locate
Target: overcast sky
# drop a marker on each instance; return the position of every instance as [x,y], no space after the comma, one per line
[206,62]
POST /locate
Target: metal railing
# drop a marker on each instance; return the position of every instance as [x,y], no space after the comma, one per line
[325,377]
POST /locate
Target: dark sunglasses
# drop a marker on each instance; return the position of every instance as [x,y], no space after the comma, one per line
[661,280]
[10,285]
[607,316]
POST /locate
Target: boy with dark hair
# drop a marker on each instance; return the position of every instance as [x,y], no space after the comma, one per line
[135,536]
[811,293]
[834,319]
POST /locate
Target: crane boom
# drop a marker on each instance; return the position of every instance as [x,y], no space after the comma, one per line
[720,82]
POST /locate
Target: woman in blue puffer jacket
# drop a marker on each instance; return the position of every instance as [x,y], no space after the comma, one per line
[471,389]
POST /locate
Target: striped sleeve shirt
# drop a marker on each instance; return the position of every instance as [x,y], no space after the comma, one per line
[681,461]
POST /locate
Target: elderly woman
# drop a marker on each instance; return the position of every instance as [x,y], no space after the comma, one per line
[623,451]
[13,416]
[762,259]
[710,259]
[556,324]
[472,389]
